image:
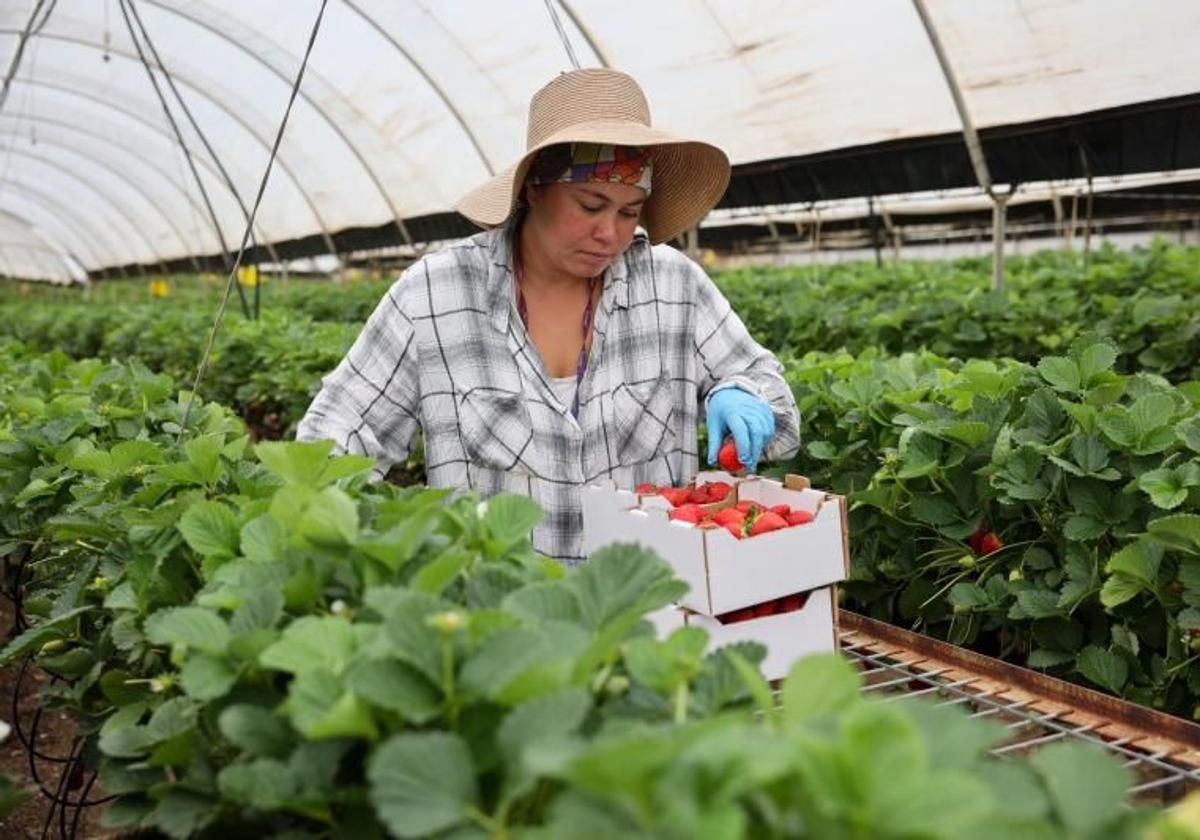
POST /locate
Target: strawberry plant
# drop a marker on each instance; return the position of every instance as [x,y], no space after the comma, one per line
[1037,512]
[261,641]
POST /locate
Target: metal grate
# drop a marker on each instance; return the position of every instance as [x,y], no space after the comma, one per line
[1164,771]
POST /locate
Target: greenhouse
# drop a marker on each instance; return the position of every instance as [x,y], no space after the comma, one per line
[573,419]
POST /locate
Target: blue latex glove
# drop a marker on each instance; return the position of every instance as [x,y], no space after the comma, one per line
[750,420]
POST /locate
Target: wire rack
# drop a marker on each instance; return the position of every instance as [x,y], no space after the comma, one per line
[1164,768]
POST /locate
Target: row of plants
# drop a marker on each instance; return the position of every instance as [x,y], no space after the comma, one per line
[267,370]
[259,641]
[1044,513]
[1145,301]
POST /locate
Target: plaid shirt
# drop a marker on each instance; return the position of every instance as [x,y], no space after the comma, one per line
[446,354]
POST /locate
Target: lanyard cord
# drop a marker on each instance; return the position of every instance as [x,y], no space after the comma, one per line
[523,311]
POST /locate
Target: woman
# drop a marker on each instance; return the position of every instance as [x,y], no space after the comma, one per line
[561,347]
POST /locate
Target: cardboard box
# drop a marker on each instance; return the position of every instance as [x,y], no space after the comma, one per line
[604,505]
[726,573]
[787,637]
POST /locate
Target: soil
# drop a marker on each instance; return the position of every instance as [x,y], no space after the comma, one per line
[55,732]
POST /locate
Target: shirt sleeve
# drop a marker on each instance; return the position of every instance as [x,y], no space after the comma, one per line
[368,405]
[730,358]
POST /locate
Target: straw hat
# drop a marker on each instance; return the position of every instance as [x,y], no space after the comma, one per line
[605,106]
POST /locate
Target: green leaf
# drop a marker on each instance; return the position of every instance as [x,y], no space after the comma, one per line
[665,665]
[936,510]
[510,518]
[1086,787]
[422,783]
[1151,412]
[321,708]
[204,454]
[296,463]
[971,434]
[1037,603]
[211,529]
[206,677]
[1042,658]
[1165,487]
[33,638]
[181,813]
[1082,528]
[817,686]
[265,784]
[435,576]
[534,723]
[256,730]
[921,455]
[195,627]
[1181,531]
[312,642]
[263,539]
[1094,360]
[396,687]
[1103,667]
[1139,560]
[619,578]
[1118,589]
[1061,373]
[968,595]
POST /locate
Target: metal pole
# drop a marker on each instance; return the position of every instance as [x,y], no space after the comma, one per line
[970,135]
[999,221]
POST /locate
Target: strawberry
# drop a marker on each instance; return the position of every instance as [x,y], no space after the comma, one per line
[727,515]
[646,489]
[989,543]
[747,507]
[700,495]
[799,517]
[790,603]
[764,609]
[766,522]
[718,490]
[728,458]
[686,513]
[736,528]
[783,510]
[676,496]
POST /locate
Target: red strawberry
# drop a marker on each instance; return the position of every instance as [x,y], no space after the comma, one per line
[676,496]
[764,609]
[783,510]
[687,513]
[728,515]
[728,458]
[718,490]
[791,603]
[989,543]
[799,517]
[766,522]
[736,528]
[646,489]
[700,495]
[748,507]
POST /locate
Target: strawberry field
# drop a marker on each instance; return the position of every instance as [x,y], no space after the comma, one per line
[259,640]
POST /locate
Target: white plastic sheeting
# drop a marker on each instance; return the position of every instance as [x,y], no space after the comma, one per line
[407,104]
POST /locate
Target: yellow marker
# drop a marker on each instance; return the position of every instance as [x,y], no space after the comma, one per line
[248,275]
[159,288]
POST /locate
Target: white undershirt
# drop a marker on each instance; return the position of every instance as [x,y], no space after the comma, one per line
[564,389]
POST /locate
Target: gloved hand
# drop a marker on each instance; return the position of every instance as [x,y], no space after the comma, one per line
[747,418]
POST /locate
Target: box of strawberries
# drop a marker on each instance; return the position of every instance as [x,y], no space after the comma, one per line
[764,540]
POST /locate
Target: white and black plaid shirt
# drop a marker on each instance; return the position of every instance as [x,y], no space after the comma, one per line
[446,354]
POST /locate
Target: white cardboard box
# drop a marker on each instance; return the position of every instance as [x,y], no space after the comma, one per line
[787,637]
[604,506]
[725,573]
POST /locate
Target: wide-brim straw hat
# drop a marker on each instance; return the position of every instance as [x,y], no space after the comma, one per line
[608,107]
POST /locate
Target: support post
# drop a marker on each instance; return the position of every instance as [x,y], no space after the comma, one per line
[999,222]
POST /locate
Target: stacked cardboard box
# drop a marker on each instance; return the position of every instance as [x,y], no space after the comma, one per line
[777,588]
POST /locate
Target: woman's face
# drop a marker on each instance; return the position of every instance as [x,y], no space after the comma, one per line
[581,228]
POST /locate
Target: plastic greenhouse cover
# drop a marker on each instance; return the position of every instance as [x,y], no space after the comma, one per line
[406,105]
